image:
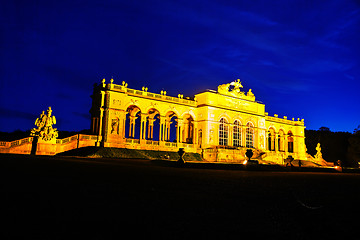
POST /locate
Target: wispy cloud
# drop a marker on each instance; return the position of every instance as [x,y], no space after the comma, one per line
[257,19]
[324,65]
[13,113]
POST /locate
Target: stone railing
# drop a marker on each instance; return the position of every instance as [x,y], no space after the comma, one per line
[77,137]
[285,120]
[16,143]
[151,142]
[24,146]
[21,146]
[146,94]
[158,145]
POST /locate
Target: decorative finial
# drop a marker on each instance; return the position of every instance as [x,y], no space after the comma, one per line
[111,81]
[124,84]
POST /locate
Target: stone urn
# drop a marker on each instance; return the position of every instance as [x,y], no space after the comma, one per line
[249,153]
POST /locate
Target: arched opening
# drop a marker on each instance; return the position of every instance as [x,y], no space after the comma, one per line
[188,129]
[290,142]
[223,132]
[249,135]
[132,123]
[153,125]
[271,140]
[281,141]
[171,123]
[237,134]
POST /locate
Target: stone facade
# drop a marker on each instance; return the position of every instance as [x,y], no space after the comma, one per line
[221,125]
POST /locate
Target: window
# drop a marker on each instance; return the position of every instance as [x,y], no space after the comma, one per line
[237,134]
[281,140]
[271,139]
[223,132]
[290,142]
[249,135]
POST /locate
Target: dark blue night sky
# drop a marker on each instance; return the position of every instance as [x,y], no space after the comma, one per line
[301,58]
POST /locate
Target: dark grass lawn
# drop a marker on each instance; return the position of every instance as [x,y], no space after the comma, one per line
[65,197]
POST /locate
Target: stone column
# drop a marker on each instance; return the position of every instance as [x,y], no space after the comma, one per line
[179,130]
[243,136]
[295,144]
[132,127]
[230,131]
[106,125]
[168,131]
[122,118]
[162,128]
[168,126]
[151,128]
[101,121]
[195,135]
[143,126]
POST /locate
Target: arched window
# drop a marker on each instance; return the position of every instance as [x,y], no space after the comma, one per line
[188,129]
[153,125]
[281,140]
[236,134]
[249,135]
[271,140]
[170,129]
[133,122]
[290,142]
[223,132]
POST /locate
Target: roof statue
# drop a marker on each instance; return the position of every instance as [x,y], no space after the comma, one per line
[234,89]
[44,124]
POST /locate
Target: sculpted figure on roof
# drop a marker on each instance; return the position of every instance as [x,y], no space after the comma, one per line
[234,89]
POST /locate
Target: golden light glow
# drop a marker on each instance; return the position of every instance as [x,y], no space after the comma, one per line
[147,120]
[220,125]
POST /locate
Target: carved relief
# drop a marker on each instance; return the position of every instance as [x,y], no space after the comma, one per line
[211,137]
[117,102]
[262,141]
[115,126]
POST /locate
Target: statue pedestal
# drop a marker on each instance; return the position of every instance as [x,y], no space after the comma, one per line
[46,147]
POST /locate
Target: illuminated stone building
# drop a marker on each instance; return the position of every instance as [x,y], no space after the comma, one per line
[220,125]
